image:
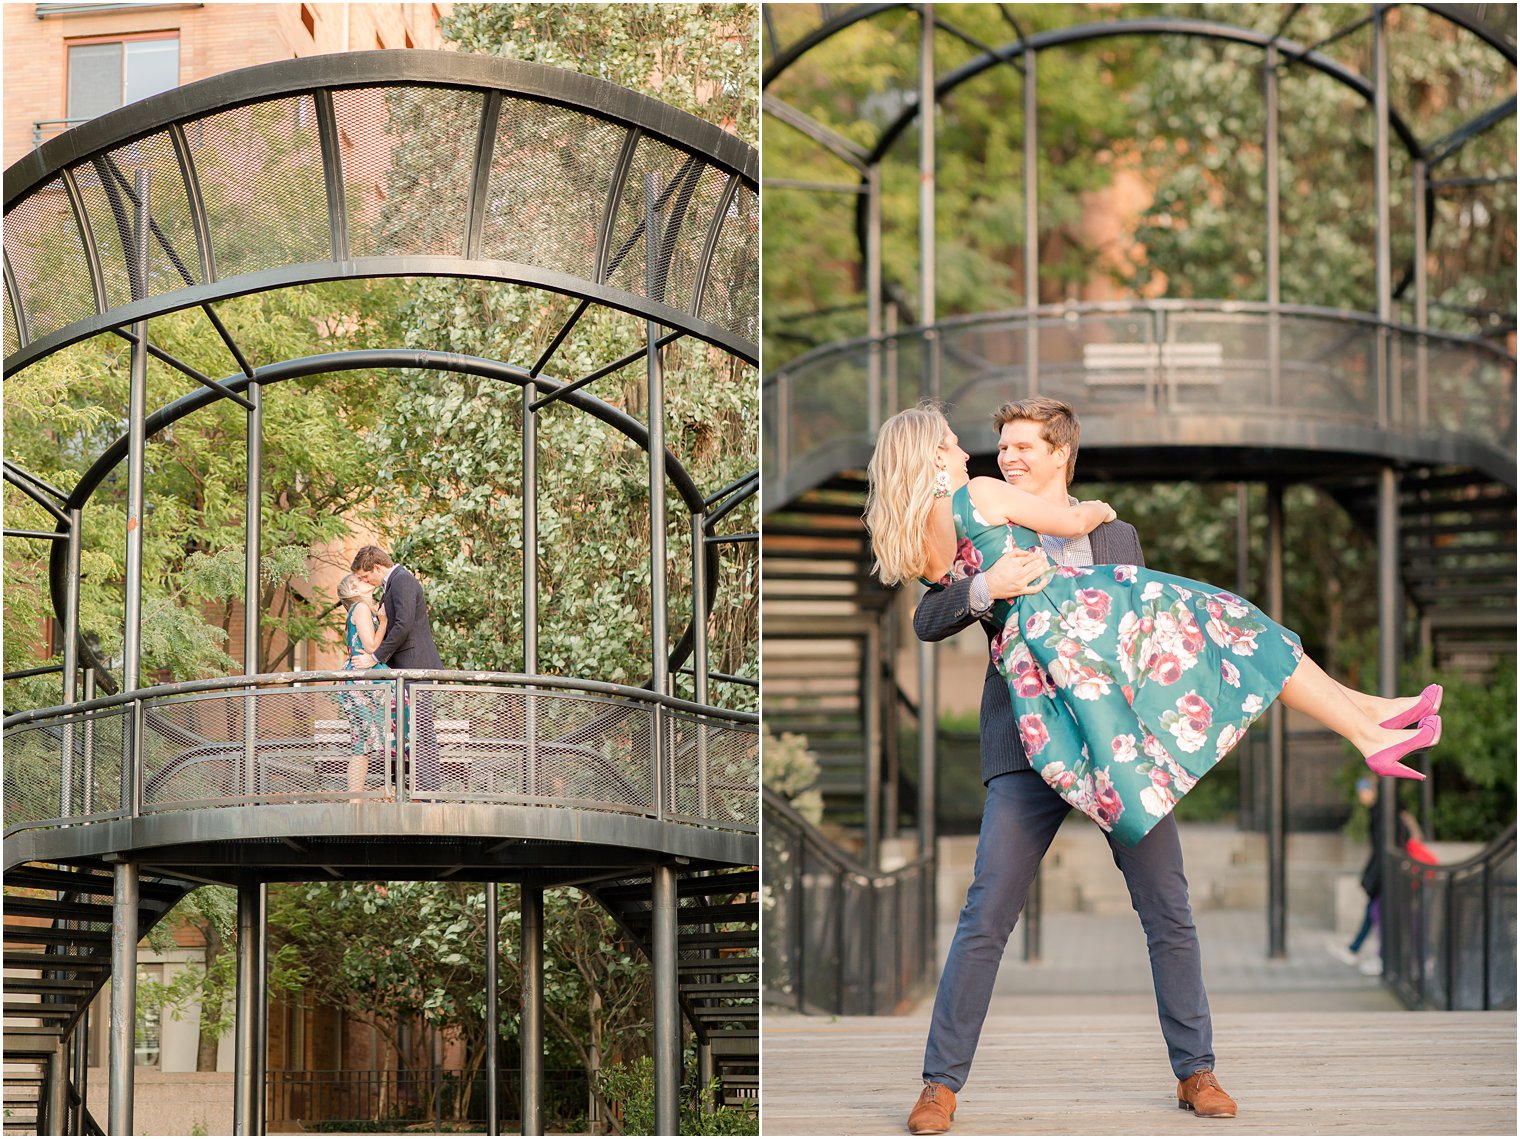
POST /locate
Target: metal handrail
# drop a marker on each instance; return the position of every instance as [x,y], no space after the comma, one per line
[1449,930]
[873,967]
[163,760]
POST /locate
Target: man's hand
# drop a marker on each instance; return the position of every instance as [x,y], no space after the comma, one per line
[1012,574]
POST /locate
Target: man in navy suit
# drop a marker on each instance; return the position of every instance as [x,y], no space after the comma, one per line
[1037,451]
[408,643]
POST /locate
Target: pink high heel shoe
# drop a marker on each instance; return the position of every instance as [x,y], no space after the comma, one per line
[1386,762]
[1429,701]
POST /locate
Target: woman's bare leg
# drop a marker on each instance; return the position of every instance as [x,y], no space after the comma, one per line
[1312,691]
[1378,708]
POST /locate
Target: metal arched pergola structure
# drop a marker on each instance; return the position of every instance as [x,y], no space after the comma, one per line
[369,165]
[1418,420]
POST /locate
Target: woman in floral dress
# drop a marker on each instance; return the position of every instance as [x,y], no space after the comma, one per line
[366,708]
[1127,684]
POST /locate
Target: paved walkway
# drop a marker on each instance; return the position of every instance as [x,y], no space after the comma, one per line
[1307,1045]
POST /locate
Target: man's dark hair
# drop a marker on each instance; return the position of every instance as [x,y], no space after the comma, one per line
[370,557]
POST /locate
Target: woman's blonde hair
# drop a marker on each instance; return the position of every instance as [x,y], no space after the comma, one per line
[901,491]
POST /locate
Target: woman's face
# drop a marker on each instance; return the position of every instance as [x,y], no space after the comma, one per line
[950,456]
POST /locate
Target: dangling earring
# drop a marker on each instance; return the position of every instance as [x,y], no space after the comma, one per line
[942,483]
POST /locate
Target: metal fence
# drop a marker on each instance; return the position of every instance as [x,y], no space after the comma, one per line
[443,1096]
[1449,931]
[1144,359]
[836,937]
[333,736]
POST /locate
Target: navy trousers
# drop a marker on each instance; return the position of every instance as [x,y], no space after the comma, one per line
[1018,823]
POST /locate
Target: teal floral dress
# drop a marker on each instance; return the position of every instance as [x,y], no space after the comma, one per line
[1128,685]
[368,712]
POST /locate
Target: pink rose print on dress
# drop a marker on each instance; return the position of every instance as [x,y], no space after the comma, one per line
[1229,736]
[1000,643]
[1055,774]
[1230,673]
[1165,669]
[1124,749]
[1124,573]
[1196,709]
[1026,675]
[1033,732]
[1190,722]
[1129,695]
[1106,801]
[1157,800]
[1071,571]
[1037,624]
[968,560]
[1087,683]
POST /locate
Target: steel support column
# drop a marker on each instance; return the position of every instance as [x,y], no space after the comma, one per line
[1390,608]
[253,541]
[1031,222]
[927,255]
[699,649]
[531,1034]
[260,1007]
[1421,298]
[659,632]
[137,413]
[874,410]
[493,1012]
[667,1003]
[1388,401]
[57,1115]
[81,1065]
[124,899]
[69,791]
[1277,835]
[530,582]
[1273,207]
[247,1086]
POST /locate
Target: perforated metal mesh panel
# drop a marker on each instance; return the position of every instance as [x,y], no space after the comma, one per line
[714,771]
[551,173]
[35,762]
[408,156]
[47,255]
[308,744]
[260,173]
[514,746]
[732,298]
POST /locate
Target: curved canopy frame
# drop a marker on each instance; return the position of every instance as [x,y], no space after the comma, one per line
[378,164]
[866,159]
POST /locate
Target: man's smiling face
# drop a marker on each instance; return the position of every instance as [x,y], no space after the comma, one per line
[1027,461]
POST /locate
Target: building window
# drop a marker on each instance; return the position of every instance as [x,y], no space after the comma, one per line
[149,1047]
[104,75]
[309,21]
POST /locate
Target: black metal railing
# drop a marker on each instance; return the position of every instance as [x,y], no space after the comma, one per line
[405,735]
[837,936]
[1449,930]
[439,1096]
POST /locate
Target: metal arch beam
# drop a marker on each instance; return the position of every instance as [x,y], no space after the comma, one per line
[850,153]
[521,79]
[818,35]
[368,268]
[1456,15]
[1082,33]
[1443,148]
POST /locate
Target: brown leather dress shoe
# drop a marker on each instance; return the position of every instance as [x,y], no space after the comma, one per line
[933,1112]
[1201,1094]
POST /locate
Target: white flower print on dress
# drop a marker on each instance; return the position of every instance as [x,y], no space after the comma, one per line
[1157,801]
[1089,684]
[1124,573]
[1055,774]
[1230,673]
[1251,705]
[1229,736]
[1037,624]
[1151,591]
[1124,749]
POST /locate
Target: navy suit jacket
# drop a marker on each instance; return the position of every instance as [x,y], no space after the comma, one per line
[408,639]
[944,612]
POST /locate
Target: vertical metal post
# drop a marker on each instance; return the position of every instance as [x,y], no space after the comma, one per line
[699,650]
[88,798]
[1031,221]
[889,331]
[1277,835]
[68,792]
[1421,300]
[881,760]
[260,1006]
[1274,229]
[1388,403]
[137,412]
[246,1088]
[928,720]
[927,255]
[56,1117]
[659,633]
[667,1006]
[253,540]
[493,1012]
[1390,608]
[530,585]
[124,899]
[531,1037]
[1242,539]
[873,300]
[81,1073]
